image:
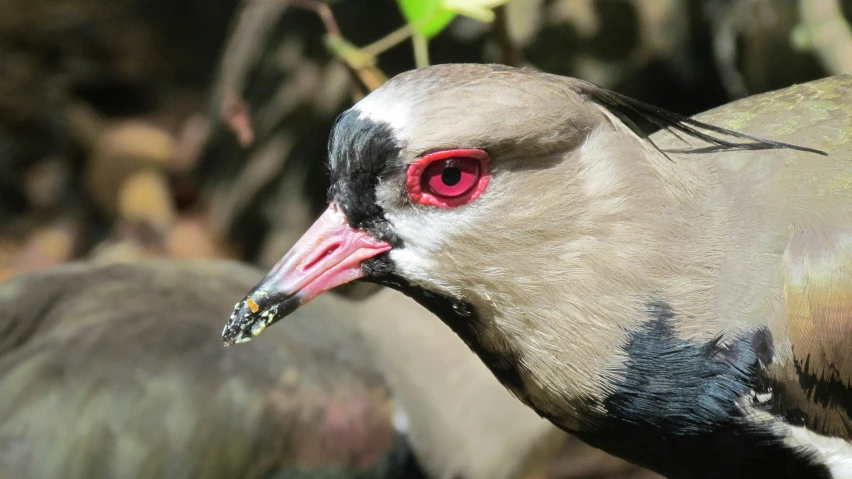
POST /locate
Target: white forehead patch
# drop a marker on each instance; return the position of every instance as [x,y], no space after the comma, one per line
[384,106]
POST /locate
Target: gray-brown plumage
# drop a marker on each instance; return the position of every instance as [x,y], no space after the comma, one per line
[115,371]
[678,300]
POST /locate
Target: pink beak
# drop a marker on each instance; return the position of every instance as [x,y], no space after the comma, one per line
[329,254]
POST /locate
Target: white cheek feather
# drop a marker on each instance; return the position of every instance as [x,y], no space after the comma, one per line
[426,250]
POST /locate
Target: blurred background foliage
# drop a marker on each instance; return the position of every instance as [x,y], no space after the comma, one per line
[188,129]
[149,125]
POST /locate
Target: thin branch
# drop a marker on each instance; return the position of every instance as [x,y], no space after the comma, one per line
[235,111]
[388,41]
[360,63]
[320,8]
[509,54]
[421,50]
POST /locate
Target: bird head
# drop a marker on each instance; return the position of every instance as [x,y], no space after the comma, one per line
[450,179]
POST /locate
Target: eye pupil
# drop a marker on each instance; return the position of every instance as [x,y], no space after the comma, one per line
[451,176]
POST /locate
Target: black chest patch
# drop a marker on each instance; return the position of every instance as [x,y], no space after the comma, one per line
[675,410]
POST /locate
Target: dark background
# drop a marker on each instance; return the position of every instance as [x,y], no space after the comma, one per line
[117,117]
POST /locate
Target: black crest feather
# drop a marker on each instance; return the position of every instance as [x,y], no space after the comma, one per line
[622,105]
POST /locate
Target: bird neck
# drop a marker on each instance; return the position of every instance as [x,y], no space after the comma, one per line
[610,230]
[637,236]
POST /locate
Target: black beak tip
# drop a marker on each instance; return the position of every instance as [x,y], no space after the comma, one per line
[240,325]
[249,318]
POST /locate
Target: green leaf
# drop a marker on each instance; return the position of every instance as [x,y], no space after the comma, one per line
[427,17]
[430,17]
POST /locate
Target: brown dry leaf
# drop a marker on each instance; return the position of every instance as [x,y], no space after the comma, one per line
[9,248]
[9,251]
[136,139]
[120,151]
[145,197]
[192,238]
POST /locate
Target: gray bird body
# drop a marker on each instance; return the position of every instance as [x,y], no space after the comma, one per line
[115,372]
[682,301]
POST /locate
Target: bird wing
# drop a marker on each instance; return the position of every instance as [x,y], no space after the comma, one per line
[817,382]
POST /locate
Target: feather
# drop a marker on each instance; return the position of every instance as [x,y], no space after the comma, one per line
[620,105]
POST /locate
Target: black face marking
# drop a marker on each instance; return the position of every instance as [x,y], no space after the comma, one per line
[675,410]
[362,152]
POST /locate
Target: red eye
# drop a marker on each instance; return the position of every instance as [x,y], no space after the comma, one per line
[448,178]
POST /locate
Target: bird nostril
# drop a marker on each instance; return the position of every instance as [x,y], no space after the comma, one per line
[326,253]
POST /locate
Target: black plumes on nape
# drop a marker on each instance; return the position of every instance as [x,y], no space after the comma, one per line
[622,105]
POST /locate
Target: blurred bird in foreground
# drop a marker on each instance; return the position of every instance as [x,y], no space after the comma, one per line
[113,371]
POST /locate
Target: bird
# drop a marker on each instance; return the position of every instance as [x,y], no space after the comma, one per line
[680,299]
[113,370]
